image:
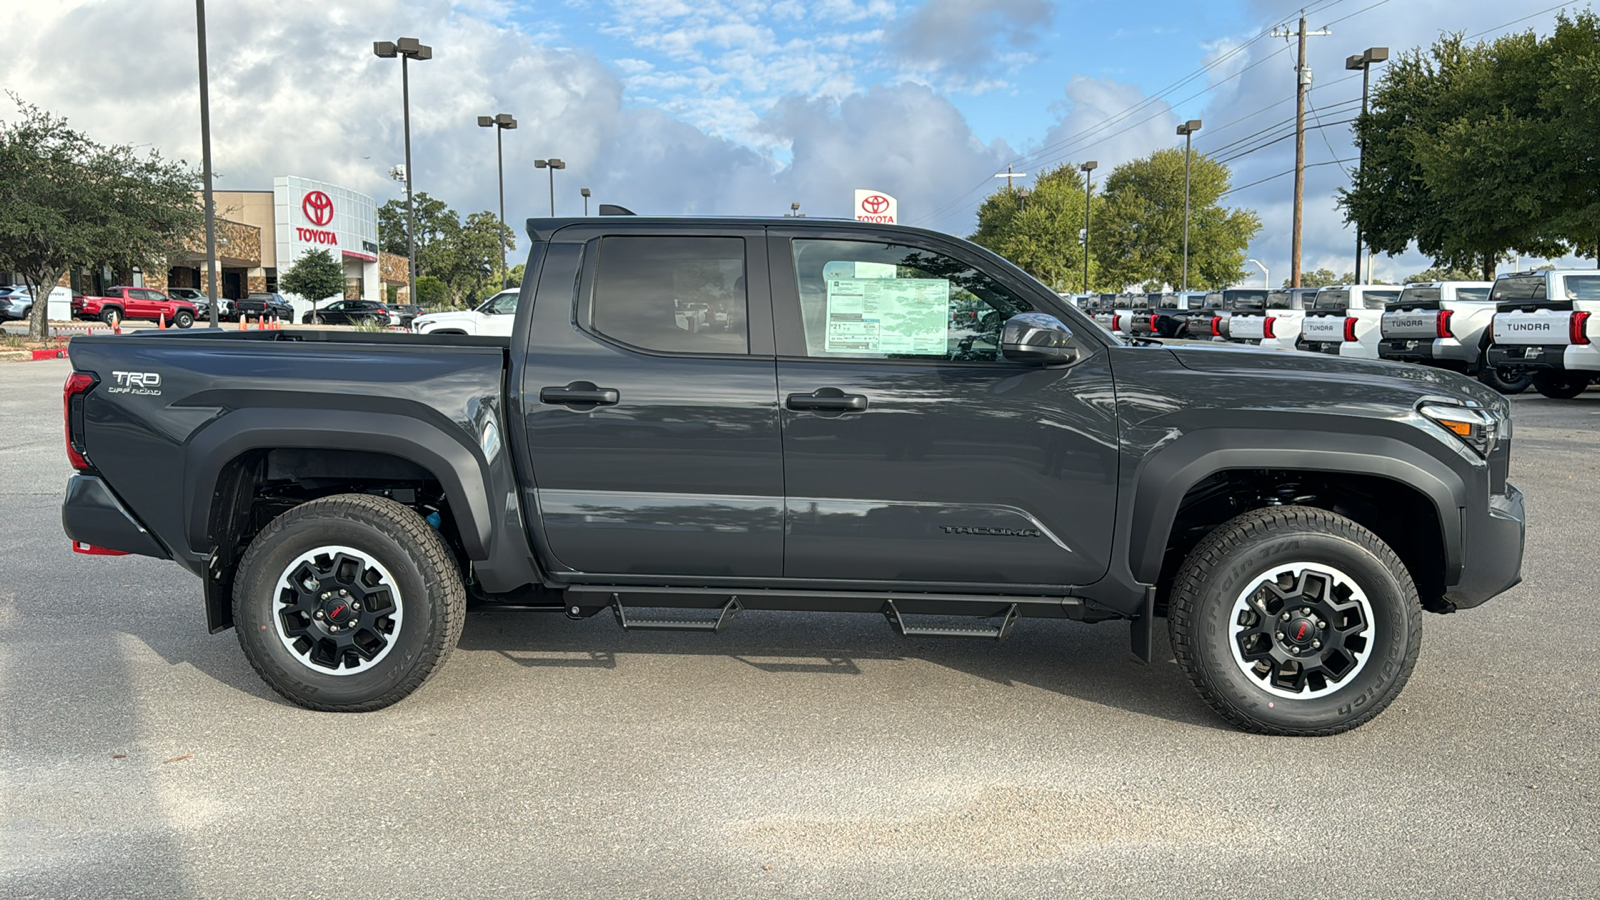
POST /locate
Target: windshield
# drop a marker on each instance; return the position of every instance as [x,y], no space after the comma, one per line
[1520,287]
[1419,295]
[1280,300]
[501,304]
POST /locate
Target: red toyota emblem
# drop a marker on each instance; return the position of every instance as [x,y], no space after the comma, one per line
[318,208]
[875,204]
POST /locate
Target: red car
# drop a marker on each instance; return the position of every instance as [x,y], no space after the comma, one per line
[125,302]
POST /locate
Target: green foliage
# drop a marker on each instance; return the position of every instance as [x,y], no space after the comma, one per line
[431,292]
[464,255]
[515,276]
[1322,278]
[1442,273]
[67,201]
[1473,150]
[1140,238]
[1039,232]
[316,276]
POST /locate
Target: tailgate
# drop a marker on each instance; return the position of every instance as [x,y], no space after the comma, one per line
[1412,324]
[1251,328]
[1543,327]
[1323,328]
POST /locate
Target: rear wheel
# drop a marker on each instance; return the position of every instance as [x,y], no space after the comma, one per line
[1295,621]
[1506,379]
[1560,385]
[111,317]
[348,603]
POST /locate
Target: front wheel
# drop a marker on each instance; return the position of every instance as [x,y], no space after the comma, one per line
[1560,385]
[1295,621]
[1508,380]
[348,603]
[183,319]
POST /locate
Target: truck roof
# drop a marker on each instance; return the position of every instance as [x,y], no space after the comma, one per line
[541,229]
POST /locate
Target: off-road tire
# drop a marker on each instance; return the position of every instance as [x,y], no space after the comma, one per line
[183,319]
[111,317]
[1506,380]
[1224,564]
[1561,385]
[432,600]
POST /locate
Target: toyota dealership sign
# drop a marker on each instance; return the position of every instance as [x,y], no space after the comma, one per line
[876,206]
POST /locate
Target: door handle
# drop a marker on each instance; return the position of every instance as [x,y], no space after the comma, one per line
[579,393]
[826,400]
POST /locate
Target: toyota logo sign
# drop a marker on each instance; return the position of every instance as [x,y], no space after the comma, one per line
[318,208]
[875,206]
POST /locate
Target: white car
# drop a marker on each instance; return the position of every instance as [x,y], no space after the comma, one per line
[1344,320]
[494,316]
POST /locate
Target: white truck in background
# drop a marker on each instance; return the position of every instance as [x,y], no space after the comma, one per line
[1343,320]
[1445,324]
[1545,321]
[1277,326]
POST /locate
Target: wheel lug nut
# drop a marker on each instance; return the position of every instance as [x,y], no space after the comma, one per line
[1316,645]
[319,615]
[355,607]
[344,593]
[326,595]
[1321,624]
[1280,634]
[1284,617]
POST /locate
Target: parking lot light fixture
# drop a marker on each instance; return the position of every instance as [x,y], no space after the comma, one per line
[586,196]
[407,49]
[1187,129]
[501,124]
[1266,279]
[1087,169]
[552,164]
[1364,62]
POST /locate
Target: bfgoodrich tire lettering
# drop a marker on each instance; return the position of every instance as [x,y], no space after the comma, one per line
[1205,620]
[395,549]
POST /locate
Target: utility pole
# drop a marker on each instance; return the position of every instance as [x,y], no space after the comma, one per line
[1008,175]
[1302,83]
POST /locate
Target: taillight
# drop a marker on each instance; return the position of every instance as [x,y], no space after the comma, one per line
[92,550]
[1350,328]
[78,383]
[1116,323]
[1444,323]
[1267,328]
[1216,326]
[1577,335]
[1153,328]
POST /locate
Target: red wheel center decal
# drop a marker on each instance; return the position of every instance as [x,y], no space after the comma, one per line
[318,208]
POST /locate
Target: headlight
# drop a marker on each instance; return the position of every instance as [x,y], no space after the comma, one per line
[1477,427]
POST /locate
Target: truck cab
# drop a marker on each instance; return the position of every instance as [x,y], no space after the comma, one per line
[1545,322]
[494,316]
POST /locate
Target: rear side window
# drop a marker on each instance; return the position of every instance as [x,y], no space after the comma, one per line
[672,295]
[1332,300]
[1472,293]
[1378,299]
[1583,287]
[1526,287]
[1280,300]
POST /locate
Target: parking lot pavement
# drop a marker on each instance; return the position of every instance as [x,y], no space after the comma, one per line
[793,755]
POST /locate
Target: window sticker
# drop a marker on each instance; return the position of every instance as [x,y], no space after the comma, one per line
[887,315]
[847,269]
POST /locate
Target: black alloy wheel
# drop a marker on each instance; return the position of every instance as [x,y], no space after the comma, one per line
[1508,380]
[1561,385]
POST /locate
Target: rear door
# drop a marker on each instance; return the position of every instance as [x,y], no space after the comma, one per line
[913,452]
[652,427]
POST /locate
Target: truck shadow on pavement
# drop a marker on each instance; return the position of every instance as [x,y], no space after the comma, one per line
[1089,663]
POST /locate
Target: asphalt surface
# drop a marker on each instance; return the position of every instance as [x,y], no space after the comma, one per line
[793,755]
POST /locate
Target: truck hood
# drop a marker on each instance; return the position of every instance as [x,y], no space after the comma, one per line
[1356,374]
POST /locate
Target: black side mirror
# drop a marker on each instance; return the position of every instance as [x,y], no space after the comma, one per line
[1038,338]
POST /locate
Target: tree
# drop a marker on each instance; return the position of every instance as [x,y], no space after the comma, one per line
[67,201]
[1321,278]
[515,276]
[1039,231]
[472,265]
[431,293]
[1141,235]
[437,224]
[316,276]
[1438,273]
[464,256]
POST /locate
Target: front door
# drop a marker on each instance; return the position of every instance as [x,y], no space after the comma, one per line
[650,403]
[913,452]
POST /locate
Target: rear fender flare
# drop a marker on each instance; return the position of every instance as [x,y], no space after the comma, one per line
[1167,475]
[458,465]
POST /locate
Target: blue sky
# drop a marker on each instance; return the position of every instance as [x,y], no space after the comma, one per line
[738,107]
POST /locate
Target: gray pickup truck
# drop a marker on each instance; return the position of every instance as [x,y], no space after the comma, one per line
[696,417]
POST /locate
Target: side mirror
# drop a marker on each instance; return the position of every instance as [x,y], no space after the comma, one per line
[1038,338]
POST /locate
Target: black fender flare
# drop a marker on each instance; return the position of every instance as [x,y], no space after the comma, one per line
[1167,475]
[458,466]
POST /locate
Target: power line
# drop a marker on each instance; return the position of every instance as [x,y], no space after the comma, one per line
[1284,137]
[1285,123]
[1280,175]
[1523,19]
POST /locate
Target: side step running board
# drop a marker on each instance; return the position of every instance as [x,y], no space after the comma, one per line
[714,626]
[994,633]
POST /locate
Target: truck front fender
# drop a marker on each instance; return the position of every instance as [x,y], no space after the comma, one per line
[458,466]
[1165,477]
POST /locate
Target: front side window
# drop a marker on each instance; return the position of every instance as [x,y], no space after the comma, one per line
[503,304]
[866,300]
[1280,300]
[1378,299]
[673,295]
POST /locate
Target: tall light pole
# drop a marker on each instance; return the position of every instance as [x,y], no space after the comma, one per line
[501,124]
[407,49]
[1086,169]
[1187,129]
[551,164]
[586,196]
[1364,63]
[1266,279]
[205,163]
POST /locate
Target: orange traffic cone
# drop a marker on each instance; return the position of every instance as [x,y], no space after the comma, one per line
[244,321]
[163,325]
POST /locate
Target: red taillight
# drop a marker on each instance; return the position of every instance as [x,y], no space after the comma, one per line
[1350,328]
[1267,329]
[72,415]
[1577,334]
[1116,323]
[1216,326]
[92,550]
[1444,323]
[1153,324]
